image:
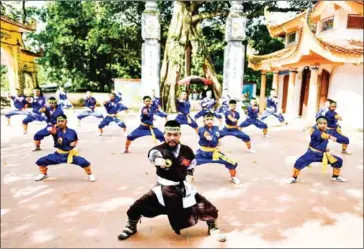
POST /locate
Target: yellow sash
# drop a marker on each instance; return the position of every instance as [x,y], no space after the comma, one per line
[70,153]
[151,131]
[232,126]
[326,158]
[115,115]
[216,155]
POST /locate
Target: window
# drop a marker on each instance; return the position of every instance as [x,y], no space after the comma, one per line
[355,22]
[291,37]
[327,24]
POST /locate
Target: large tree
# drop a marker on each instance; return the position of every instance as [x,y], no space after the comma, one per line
[187,51]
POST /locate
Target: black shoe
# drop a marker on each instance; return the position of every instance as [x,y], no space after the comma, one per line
[126,233]
[36,149]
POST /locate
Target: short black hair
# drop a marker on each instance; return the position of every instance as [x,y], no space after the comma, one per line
[321,117]
[330,100]
[232,102]
[208,115]
[52,98]
[146,97]
[62,116]
[172,123]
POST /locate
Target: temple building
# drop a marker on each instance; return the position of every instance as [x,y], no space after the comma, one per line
[322,58]
[22,68]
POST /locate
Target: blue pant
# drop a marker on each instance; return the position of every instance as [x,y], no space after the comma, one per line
[88,114]
[34,117]
[203,157]
[253,121]
[311,157]
[106,121]
[65,103]
[16,112]
[235,133]
[341,139]
[266,114]
[56,158]
[39,135]
[182,119]
[142,131]
[160,114]
[222,109]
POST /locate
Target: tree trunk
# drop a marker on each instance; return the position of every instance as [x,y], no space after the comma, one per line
[177,54]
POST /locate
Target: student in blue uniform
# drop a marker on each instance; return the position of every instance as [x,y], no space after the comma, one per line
[146,127]
[232,129]
[209,151]
[118,95]
[318,152]
[37,102]
[63,101]
[156,107]
[207,105]
[65,140]
[252,119]
[112,108]
[322,111]
[272,108]
[52,112]
[224,105]
[183,108]
[20,104]
[90,104]
[333,128]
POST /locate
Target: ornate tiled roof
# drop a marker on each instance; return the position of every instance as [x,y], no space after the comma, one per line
[353,47]
[11,21]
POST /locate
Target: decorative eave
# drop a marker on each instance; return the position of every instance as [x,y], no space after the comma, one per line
[285,27]
[30,53]
[22,27]
[308,47]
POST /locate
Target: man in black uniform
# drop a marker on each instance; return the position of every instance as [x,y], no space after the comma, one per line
[172,195]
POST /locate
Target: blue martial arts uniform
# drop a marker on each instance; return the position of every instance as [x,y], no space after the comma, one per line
[316,150]
[207,105]
[112,108]
[231,127]
[156,103]
[36,115]
[146,127]
[19,104]
[224,107]
[208,152]
[334,129]
[63,101]
[183,116]
[90,104]
[272,110]
[252,119]
[51,122]
[62,141]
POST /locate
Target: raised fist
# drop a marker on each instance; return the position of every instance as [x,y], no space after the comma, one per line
[159,162]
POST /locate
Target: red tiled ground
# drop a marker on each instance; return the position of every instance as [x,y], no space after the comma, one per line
[264,211]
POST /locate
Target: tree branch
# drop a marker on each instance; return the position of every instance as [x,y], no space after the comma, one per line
[206,15]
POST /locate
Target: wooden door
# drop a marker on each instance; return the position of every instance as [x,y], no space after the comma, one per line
[285,93]
[324,87]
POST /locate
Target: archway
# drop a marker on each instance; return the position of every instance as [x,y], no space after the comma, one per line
[7,60]
[285,93]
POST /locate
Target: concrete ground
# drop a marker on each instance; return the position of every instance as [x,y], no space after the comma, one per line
[263,211]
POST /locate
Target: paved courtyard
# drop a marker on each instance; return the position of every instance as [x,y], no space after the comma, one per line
[263,211]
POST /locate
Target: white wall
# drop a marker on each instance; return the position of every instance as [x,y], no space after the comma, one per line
[346,87]
[297,92]
[340,23]
[280,91]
